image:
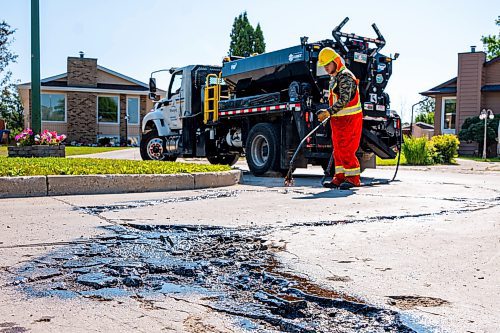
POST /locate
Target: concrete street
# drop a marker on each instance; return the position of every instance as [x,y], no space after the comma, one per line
[426,246]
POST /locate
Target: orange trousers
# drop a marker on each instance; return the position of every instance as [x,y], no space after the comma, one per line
[346,135]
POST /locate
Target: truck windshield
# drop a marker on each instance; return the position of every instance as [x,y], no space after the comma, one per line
[175,84]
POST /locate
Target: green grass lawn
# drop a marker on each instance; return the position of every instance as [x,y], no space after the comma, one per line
[480,159]
[391,162]
[19,166]
[71,151]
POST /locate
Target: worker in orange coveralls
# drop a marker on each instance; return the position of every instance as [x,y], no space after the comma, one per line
[346,119]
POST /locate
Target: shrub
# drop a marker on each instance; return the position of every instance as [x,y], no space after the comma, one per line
[417,151]
[104,141]
[473,129]
[444,148]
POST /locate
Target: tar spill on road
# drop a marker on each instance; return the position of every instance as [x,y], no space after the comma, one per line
[411,302]
[234,271]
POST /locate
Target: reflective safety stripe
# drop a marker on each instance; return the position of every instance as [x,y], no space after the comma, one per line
[354,105]
[348,111]
[339,169]
[352,172]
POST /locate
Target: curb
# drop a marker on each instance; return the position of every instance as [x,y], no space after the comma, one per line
[37,186]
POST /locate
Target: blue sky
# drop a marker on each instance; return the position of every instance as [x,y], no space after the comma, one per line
[137,37]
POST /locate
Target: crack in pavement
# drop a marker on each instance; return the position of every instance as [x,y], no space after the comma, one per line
[97,210]
[209,194]
[382,218]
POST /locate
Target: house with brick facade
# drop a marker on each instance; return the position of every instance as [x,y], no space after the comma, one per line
[476,87]
[90,102]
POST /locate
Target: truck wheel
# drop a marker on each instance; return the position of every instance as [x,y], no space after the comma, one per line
[152,148]
[262,149]
[224,160]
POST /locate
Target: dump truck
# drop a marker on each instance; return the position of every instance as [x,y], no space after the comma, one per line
[262,106]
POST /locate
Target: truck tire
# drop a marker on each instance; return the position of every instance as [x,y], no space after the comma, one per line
[152,148]
[262,149]
[224,159]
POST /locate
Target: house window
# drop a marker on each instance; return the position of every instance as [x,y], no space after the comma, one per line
[133,110]
[108,109]
[449,115]
[53,107]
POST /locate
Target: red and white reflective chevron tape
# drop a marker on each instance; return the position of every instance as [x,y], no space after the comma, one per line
[295,106]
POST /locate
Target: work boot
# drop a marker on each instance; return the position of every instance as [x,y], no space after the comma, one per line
[335,182]
[350,182]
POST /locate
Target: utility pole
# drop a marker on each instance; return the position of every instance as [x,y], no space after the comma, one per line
[36,113]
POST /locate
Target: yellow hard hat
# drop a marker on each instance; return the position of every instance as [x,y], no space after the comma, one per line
[326,56]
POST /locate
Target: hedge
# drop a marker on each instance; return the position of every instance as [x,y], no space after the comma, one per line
[91,166]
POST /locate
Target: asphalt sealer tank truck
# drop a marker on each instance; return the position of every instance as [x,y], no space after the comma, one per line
[262,106]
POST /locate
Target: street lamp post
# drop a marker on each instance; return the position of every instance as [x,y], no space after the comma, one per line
[126,130]
[411,120]
[485,114]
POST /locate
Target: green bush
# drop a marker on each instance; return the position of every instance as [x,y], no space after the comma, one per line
[473,129]
[417,151]
[104,142]
[444,148]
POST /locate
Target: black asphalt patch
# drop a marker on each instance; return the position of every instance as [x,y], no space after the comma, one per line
[233,271]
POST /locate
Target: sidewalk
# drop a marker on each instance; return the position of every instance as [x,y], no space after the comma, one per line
[124,154]
[462,166]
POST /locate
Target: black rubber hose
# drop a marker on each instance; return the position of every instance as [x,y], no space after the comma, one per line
[289,178]
[399,150]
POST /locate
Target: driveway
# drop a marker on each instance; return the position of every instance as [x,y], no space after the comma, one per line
[421,254]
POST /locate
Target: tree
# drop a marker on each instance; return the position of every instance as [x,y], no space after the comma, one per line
[426,111]
[11,109]
[473,130]
[427,118]
[6,56]
[241,36]
[245,40]
[259,43]
[492,43]
[10,103]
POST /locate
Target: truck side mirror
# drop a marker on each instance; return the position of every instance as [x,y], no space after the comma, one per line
[154,97]
[152,85]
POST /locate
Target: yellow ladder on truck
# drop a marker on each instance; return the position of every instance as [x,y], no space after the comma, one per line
[212,98]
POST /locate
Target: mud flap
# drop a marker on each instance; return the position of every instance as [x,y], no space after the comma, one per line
[376,145]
